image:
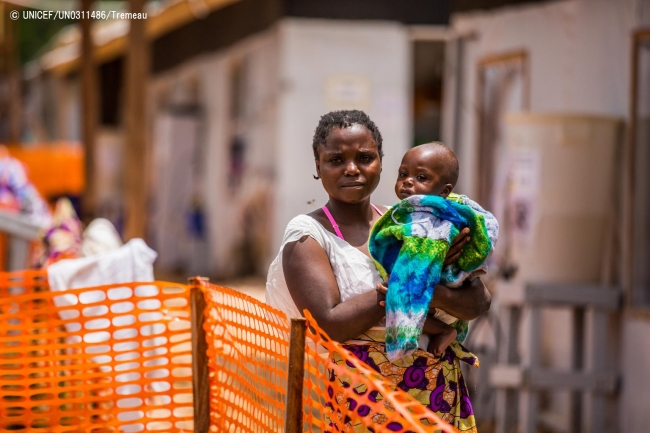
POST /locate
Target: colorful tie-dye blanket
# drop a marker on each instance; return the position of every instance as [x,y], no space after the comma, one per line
[409,243]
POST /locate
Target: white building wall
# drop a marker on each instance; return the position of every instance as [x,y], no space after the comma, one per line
[288,69]
[579,53]
[579,58]
[315,56]
[225,206]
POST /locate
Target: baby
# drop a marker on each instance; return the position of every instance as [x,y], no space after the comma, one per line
[410,244]
[430,169]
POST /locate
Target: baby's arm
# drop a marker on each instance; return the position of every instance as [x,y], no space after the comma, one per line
[441,335]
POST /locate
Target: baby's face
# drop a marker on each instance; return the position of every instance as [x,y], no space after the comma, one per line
[418,174]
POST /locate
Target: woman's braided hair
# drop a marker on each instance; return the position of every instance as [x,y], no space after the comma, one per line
[344,119]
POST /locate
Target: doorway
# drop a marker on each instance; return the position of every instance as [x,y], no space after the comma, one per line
[428,68]
[503,87]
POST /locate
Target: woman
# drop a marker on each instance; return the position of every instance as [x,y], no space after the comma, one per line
[324,266]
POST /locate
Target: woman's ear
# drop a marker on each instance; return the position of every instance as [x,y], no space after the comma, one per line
[317,176]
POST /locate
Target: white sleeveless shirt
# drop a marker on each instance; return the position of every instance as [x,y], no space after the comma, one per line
[354,271]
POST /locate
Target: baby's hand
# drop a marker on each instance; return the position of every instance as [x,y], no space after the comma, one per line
[381,291]
[456,248]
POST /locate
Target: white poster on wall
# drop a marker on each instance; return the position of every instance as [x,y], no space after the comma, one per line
[347,92]
[524,186]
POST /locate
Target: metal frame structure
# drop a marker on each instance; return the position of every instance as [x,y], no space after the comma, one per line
[630,191]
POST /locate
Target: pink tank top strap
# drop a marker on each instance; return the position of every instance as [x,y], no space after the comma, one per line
[334,225]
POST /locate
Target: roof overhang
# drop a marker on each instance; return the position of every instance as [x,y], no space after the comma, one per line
[110,37]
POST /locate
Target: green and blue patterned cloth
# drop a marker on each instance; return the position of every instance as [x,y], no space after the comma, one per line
[409,243]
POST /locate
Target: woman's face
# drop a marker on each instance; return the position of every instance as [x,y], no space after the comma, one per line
[349,164]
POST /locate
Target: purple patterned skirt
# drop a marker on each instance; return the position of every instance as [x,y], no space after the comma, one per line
[435,382]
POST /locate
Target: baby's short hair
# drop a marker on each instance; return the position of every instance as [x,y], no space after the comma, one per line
[451,168]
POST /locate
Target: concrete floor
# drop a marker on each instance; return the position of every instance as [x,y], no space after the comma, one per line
[251,286]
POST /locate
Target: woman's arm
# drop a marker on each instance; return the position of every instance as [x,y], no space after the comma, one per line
[313,286]
[466,302]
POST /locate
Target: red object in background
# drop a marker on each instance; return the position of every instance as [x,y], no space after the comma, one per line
[55,169]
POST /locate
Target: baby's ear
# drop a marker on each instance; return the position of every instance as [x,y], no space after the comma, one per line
[446,190]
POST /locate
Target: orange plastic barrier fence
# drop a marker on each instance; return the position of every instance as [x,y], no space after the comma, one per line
[364,399]
[248,348]
[100,359]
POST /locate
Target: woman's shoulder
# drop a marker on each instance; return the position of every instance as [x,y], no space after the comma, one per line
[301,221]
[304,225]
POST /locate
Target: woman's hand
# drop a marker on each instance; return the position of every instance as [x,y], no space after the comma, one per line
[466,302]
[456,248]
